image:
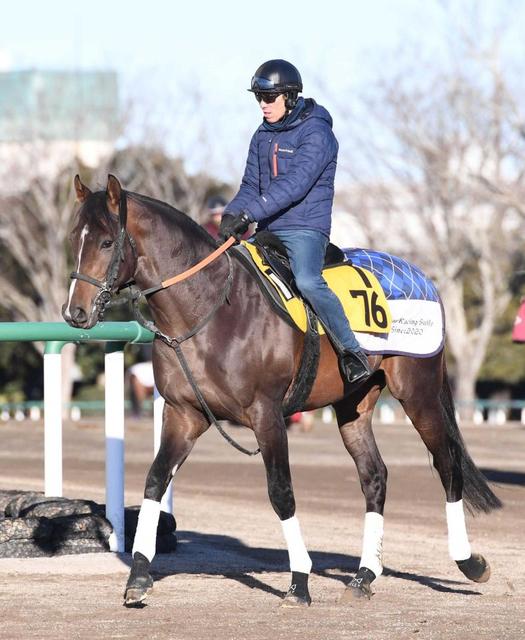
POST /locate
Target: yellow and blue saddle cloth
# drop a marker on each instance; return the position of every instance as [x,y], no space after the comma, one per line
[363,299]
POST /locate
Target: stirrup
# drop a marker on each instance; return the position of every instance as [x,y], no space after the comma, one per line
[354,367]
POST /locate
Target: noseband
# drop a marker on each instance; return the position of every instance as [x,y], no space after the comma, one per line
[107,286]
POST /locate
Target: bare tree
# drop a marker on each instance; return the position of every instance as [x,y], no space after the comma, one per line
[33,229]
[154,173]
[446,152]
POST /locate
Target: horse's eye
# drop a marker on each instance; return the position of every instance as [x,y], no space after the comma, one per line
[106,244]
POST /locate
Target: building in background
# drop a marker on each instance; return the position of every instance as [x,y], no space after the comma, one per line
[49,118]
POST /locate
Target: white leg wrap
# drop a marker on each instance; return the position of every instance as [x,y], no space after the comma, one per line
[146,534]
[372,552]
[299,558]
[458,544]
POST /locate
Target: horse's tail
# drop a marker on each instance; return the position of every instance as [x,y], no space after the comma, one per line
[477,494]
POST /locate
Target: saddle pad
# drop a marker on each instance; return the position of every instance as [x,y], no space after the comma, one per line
[418,320]
[359,291]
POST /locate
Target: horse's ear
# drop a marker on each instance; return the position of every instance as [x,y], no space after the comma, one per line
[81,190]
[113,191]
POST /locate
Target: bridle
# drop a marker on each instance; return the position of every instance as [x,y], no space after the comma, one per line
[107,286]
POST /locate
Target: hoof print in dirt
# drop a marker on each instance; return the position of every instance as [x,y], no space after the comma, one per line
[33,525]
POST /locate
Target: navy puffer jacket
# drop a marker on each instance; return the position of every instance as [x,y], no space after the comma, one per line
[288,182]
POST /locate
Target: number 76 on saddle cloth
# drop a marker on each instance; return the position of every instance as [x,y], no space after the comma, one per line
[359,291]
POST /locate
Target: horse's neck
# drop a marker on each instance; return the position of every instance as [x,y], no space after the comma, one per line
[165,250]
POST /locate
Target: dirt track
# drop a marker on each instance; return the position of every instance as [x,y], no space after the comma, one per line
[230,570]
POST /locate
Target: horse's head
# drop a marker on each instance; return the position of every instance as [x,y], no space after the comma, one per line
[103,252]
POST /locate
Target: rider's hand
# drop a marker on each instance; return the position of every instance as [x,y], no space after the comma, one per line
[234,226]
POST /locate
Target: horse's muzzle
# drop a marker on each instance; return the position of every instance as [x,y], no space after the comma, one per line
[78,318]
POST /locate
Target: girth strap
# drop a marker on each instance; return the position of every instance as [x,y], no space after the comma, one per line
[307,372]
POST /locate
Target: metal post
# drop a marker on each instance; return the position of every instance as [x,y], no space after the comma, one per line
[166,504]
[114,411]
[53,419]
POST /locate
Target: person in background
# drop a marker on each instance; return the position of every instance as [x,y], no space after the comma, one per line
[140,380]
[215,209]
[141,383]
[288,189]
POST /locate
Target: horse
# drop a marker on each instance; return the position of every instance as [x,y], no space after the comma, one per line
[240,359]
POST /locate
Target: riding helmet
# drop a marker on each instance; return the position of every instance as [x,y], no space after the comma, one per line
[278,76]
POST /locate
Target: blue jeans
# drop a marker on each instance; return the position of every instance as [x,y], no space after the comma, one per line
[306,249]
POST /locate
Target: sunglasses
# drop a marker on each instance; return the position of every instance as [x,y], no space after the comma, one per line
[267,96]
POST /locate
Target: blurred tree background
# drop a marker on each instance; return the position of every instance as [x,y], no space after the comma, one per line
[34,260]
[432,151]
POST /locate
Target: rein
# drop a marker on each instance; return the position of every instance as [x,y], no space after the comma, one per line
[192,270]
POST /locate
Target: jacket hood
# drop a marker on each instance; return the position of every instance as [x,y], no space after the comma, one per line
[313,110]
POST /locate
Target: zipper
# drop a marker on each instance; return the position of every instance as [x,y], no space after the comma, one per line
[274,158]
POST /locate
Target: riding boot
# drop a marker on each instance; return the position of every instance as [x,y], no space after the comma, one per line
[354,366]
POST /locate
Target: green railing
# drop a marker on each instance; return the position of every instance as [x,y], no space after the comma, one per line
[56,334]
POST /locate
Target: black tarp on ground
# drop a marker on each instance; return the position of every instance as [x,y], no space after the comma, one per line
[33,525]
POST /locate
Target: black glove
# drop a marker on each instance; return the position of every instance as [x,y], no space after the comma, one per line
[233,226]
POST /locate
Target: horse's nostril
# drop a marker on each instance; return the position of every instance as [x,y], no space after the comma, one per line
[79,315]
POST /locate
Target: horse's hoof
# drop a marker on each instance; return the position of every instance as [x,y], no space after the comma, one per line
[354,593]
[359,587]
[475,568]
[140,583]
[298,594]
[292,601]
[134,597]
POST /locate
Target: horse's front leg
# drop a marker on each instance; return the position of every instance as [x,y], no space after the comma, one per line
[273,442]
[181,426]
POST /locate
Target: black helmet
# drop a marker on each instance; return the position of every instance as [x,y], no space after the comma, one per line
[278,76]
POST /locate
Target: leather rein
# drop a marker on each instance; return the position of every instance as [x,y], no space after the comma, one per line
[107,289]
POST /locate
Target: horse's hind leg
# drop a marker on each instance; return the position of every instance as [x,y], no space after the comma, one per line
[354,416]
[272,439]
[180,428]
[421,385]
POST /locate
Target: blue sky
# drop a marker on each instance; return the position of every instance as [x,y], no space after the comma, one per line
[166,52]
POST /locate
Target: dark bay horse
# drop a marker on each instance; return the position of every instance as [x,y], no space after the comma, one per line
[244,360]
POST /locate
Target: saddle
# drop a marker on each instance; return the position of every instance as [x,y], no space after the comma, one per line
[274,254]
[358,290]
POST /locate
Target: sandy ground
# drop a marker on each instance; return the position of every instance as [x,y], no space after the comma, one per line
[227,577]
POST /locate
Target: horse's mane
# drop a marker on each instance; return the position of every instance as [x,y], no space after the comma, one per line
[95,211]
[173,216]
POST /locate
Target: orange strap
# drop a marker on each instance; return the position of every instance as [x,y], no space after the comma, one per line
[200,265]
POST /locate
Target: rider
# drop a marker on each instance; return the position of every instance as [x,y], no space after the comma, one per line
[288,188]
